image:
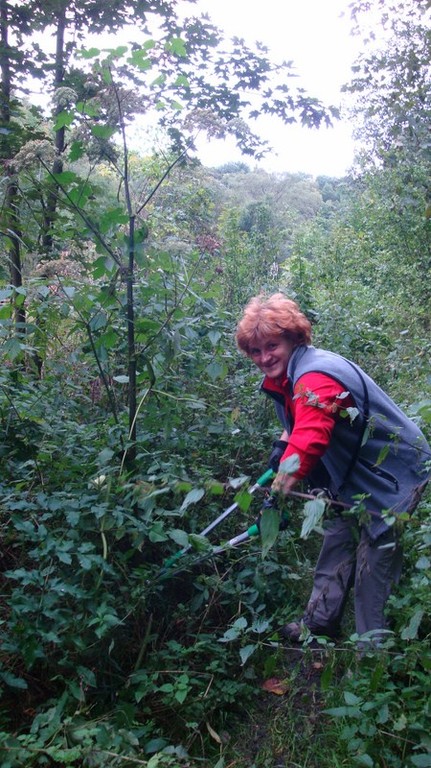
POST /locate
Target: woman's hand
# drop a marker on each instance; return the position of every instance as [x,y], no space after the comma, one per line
[283,483]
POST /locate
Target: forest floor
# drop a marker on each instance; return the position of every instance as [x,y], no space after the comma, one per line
[287,727]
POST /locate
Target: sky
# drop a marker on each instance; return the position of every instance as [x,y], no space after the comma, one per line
[316,36]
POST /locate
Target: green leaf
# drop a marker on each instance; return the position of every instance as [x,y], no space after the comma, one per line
[89,53]
[269,528]
[166,688]
[243,499]
[411,631]
[118,52]
[12,680]
[113,217]
[156,533]
[400,723]
[215,487]
[181,695]
[139,59]
[364,760]
[237,482]
[65,178]
[80,194]
[105,456]
[182,82]
[313,511]
[193,496]
[326,677]
[98,321]
[12,348]
[246,652]
[159,80]
[87,108]
[351,698]
[344,712]
[214,337]
[76,151]
[216,370]
[422,761]
[290,465]
[103,131]
[177,46]
[63,120]
[6,312]
[155,745]
[382,455]
[352,413]
[179,537]
[260,626]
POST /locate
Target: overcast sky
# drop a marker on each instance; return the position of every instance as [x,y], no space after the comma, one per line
[315,35]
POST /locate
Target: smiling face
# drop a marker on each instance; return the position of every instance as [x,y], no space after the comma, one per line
[271,354]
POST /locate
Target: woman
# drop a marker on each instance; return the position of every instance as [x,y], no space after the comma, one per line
[352,439]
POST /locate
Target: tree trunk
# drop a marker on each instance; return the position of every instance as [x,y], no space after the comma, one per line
[51,203]
[10,218]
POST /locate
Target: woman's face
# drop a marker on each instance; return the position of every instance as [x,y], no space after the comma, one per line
[271,354]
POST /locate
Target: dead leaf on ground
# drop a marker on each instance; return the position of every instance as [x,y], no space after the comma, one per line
[275,685]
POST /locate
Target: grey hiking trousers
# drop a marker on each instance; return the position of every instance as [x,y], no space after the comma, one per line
[349,558]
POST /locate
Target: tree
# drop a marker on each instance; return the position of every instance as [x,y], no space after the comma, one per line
[391,83]
[188,79]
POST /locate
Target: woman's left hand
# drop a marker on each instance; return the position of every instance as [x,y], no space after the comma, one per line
[283,483]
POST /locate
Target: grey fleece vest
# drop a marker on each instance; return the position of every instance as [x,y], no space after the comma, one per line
[381,452]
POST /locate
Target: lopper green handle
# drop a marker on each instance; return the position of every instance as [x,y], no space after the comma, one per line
[262,480]
[266,477]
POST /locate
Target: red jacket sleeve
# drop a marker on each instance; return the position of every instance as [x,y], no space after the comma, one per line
[315,408]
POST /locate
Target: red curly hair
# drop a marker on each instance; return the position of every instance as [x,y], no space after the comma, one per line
[275,315]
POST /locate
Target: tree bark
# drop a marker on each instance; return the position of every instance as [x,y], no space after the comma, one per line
[10,217]
[51,203]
